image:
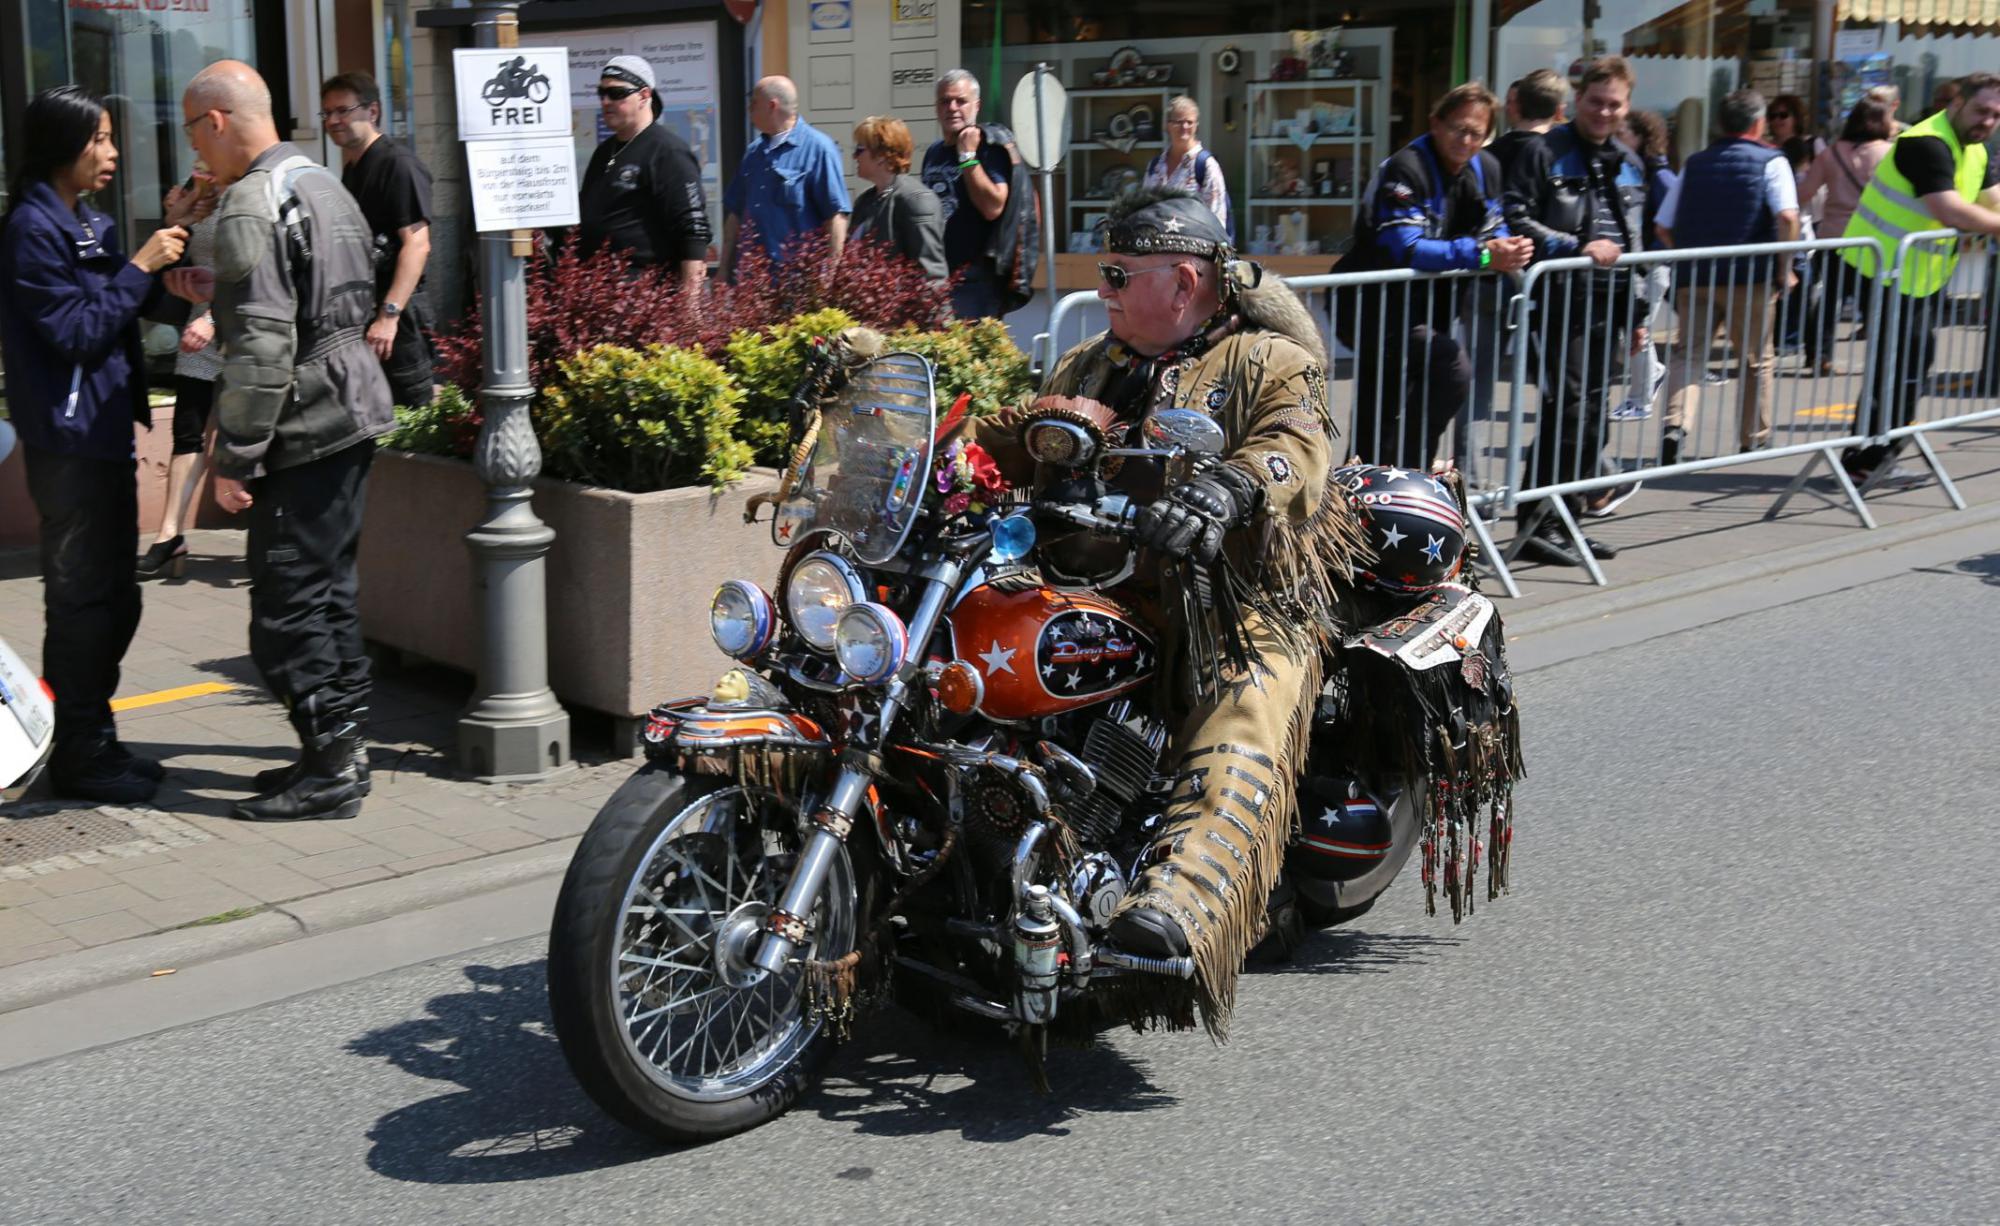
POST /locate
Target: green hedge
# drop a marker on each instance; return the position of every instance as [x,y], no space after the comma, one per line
[660,418]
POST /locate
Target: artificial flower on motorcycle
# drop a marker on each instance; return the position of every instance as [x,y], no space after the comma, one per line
[969,479]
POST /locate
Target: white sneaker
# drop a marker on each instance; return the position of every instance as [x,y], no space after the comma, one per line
[1632,410]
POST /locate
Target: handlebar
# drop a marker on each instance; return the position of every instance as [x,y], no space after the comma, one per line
[1109,515]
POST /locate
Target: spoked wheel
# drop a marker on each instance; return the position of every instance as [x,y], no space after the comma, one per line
[662,1015]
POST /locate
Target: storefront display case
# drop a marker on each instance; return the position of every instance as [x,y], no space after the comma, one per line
[1114,133]
[1312,146]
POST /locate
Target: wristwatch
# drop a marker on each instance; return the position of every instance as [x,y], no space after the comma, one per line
[390,310]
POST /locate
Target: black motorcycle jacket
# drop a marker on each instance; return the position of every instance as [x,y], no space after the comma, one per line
[1564,192]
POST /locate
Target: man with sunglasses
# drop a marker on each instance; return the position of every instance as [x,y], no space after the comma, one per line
[642,190]
[1239,564]
[393,189]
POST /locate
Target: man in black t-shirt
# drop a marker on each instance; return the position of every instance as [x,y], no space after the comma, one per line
[1927,166]
[969,173]
[393,189]
[642,191]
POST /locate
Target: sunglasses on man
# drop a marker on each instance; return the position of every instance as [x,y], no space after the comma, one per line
[1118,277]
[616,93]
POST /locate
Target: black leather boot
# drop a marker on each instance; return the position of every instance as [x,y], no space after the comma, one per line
[326,787]
[1148,933]
[148,767]
[95,770]
[278,778]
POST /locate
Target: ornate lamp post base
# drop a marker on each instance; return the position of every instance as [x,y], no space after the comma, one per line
[515,730]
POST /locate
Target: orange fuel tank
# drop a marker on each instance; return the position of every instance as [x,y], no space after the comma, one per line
[1042,652]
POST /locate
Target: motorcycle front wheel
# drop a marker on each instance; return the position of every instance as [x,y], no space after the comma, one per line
[661,1016]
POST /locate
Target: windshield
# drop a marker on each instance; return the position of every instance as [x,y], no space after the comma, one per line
[866,477]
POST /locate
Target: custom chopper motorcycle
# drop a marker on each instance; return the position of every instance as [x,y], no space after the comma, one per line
[936,771]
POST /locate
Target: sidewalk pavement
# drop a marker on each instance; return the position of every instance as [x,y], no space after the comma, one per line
[94,894]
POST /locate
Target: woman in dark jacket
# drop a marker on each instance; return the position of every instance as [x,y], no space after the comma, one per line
[899,211]
[70,304]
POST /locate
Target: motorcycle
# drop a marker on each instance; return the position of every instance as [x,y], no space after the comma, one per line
[514,81]
[937,772]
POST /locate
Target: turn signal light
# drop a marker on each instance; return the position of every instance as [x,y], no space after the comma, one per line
[960,688]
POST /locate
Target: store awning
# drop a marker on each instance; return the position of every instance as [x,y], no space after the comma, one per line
[1923,12]
[1692,31]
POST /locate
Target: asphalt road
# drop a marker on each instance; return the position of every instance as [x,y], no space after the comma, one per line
[1746,975]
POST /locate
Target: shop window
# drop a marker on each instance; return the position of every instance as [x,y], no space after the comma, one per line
[138,59]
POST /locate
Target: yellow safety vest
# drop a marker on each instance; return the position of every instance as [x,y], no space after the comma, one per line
[1890,209]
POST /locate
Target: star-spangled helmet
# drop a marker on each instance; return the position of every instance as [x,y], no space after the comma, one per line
[1413,523]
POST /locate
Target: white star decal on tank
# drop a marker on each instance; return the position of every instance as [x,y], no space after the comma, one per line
[1072,678]
[998,659]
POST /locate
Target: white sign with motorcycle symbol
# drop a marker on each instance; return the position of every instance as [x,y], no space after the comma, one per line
[514,92]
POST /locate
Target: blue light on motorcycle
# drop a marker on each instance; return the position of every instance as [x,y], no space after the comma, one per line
[743,619]
[870,642]
[1013,537]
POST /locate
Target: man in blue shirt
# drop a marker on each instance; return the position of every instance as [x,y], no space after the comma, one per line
[790,180]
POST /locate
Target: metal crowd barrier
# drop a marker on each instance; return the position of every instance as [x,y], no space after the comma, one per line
[1941,369]
[1551,402]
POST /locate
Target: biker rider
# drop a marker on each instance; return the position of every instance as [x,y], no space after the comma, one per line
[1191,327]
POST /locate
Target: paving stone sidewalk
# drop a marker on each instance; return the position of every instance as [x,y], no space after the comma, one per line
[75,876]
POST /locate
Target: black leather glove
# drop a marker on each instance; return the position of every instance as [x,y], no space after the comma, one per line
[1190,520]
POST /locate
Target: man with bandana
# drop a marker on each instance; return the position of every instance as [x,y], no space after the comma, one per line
[1240,563]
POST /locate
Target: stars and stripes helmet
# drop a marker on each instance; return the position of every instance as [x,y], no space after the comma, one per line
[1413,522]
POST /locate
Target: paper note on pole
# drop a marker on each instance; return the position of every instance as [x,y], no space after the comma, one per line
[512,92]
[522,184]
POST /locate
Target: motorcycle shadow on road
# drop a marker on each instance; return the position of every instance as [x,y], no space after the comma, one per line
[514,1114]
[1349,951]
[902,1076]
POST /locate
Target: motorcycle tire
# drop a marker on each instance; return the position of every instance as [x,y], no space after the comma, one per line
[495,93]
[662,863]
[538,90]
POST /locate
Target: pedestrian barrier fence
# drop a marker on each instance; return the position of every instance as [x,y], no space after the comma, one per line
[1554,390]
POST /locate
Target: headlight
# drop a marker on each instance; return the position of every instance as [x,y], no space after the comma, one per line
[742,619]
[822,584]
[870,642]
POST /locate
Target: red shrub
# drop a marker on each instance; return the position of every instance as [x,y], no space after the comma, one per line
[574,304]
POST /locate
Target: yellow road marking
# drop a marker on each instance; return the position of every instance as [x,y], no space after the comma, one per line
[1839,411]
[157,697]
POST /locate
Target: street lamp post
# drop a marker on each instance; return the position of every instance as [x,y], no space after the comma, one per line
[514,728]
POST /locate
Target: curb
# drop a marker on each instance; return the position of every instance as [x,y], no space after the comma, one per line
[47,979]
[1613,600]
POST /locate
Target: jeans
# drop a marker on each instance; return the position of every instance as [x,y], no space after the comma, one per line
[1409,385]
[977,294]
[1914,342]
[305,619]
[90,585]
[1580,335]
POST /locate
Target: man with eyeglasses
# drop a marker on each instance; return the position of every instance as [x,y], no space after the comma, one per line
[298,406]
[393,189]
[1435,206]
[642,190]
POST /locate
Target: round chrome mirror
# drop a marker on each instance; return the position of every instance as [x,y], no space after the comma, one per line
[1183,430]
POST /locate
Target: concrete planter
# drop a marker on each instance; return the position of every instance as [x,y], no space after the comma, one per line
[629,577]
[21,526]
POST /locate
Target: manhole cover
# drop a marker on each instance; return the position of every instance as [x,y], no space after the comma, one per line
[83,836]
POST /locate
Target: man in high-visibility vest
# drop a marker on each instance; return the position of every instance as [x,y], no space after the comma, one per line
[1936,177]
